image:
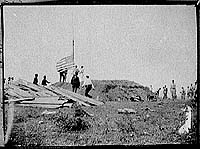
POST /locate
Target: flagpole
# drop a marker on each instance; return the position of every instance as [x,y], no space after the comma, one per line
[73,52]
[73,37]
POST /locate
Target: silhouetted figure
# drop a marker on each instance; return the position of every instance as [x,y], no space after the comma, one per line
[35,80]
[157,92]
[81,73]
[183,93]
[173,90]
[165,90]
[75,82]
[195,90]
[76,70]
[188,92]
[88,85]
[61,76]
[44,81]
[4,80]
[65,75]
[9,79]
[151,88]
[192,91]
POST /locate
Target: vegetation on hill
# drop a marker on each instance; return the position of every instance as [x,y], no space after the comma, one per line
[113,90]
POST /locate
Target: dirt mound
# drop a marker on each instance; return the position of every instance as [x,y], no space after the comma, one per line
[113,90]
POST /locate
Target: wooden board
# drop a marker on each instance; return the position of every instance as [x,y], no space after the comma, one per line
[82,98]
[40,105]
[45,100]
[19,99]
[69,96]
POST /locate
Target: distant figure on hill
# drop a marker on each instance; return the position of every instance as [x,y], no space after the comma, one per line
[188,92]
[9,80]
[12,79]
[61,76]
[173,90]
[192,90]
[165,92]
[157,92]
[35,80]
[81,73]
[75,82]
[88,85]
[183,94]
[151,88]
[195,90]
[44,81]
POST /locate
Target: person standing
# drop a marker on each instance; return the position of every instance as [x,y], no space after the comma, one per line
[195,90]
[191,91]
[75,82]
[188,92]
[88,86]
[44,81]
[158,92]
[76,70]
[35,80]
[165,92]
[183,94]
[9,79]
[65,75]
[173,90]
[61,76]
[151,88]
[81,73]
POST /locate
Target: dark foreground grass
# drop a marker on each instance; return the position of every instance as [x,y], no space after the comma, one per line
[157,124]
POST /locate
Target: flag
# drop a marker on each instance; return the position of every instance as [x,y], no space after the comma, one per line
[65,63]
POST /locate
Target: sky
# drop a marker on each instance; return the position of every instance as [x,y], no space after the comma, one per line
[150,45]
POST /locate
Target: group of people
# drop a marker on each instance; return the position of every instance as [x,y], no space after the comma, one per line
[191,91]
[10,80]
[63,74]
[79,79]
[44,80]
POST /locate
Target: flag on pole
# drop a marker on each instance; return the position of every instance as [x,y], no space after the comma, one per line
[65,63]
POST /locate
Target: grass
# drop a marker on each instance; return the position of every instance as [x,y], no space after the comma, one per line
[66,127]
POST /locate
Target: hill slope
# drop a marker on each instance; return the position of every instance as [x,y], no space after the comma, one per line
[113,90]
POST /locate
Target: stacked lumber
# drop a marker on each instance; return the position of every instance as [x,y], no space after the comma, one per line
[30,94]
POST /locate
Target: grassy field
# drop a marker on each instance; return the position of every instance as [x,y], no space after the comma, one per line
[153,123]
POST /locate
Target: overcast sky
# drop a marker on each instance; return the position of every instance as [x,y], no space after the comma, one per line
[146,44]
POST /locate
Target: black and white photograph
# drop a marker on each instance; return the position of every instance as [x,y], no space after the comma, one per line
[92,75]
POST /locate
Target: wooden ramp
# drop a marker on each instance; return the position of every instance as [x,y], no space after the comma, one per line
[76,96]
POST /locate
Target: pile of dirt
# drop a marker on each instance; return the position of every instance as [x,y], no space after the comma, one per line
[113,90]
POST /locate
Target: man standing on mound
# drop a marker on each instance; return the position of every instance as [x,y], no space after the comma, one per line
[75,82]
[173,90]
[88,85]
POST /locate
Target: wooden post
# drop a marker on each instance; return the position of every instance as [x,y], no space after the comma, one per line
[1,87]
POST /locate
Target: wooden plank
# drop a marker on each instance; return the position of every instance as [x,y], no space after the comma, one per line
[12,94]
[20,92]
[69,96]
[45,100]
[20,99]
[80,97]
[40,105]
